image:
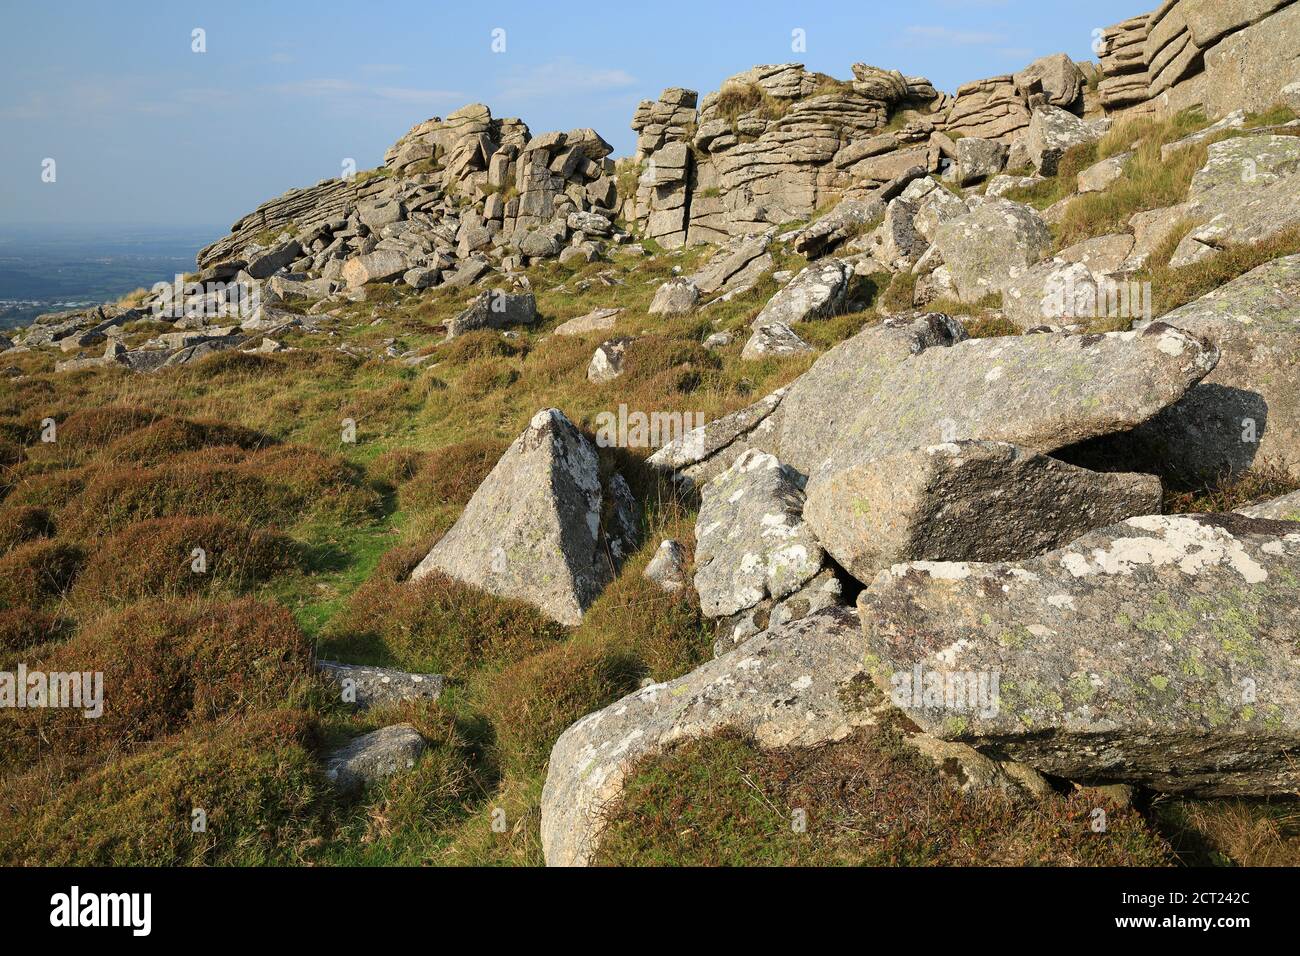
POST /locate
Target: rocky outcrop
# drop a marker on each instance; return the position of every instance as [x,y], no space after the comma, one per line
[1158,652]
[990,246]
[1219,54]
[532,531]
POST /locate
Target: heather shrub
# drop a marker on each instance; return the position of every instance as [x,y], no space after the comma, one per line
[256,778]
[436,624]
[166,665]
[21,524]
[35,573]
[155,558]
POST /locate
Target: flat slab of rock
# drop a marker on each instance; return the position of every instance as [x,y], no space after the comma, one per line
[820,403]
[599,320]
[751,541]
[532,530]
[1041,392]
[372,686]
[967,501]
[1160,652]
[704,453]
[374,756]
[796,686]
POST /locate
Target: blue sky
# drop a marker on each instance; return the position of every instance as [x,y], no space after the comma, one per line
[144,130]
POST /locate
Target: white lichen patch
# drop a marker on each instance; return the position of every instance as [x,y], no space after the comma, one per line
[1186,543]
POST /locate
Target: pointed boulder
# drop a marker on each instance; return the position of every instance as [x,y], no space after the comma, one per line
[532,530]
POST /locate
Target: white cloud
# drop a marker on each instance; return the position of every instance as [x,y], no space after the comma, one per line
[561,77]
[332,87]
[946,36]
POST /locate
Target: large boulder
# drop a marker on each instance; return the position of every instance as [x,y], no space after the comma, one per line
[1056,77]
[1052,133]
[1158,652]
[991,246]
[532,531]
[751,541]
[1246,413]
[817,292]
[800,685]
[382,265]
[967,501]
[1041,392]
[494,309]
[819,404]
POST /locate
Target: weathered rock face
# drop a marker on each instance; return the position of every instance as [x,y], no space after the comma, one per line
[1052,133]
[990,246]
[1286,508]
[817,292]
[1057,78]
[1158,652]
[819,404]
[967,501]
[532,530]
[795,686]
[1246,413]
[978,159]
[1248,191]
[988,109]
[751,542]
[1220,54]
[495,309]
[373,756]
